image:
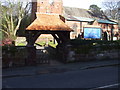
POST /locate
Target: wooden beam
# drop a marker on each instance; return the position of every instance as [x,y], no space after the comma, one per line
[31,37]
[46,31]
[36,35]
[57,39]
[64,36]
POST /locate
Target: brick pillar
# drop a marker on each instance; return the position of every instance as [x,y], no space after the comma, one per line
[34,10]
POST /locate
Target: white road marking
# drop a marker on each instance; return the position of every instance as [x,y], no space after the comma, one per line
[107,86]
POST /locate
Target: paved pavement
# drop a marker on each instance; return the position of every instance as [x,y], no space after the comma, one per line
[56,67]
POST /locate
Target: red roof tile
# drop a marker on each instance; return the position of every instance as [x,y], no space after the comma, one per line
[50,22]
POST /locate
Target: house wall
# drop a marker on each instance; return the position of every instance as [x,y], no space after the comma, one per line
[34,10]
[44,6]
[84,24]
[49,6]
[77,27]
[107,27]
[116,28]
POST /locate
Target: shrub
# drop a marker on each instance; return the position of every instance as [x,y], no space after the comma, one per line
[85,46]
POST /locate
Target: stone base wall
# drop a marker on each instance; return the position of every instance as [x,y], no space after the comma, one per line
[94,55]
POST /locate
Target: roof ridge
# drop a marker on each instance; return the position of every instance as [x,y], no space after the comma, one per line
[47,13]
[75,7]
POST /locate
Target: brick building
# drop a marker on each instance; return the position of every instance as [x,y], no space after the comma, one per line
[46,7]
[75,18]
[78,18]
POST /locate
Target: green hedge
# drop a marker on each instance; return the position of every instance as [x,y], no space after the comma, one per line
[85,46]
[86,42]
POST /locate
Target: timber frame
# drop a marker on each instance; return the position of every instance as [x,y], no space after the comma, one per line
[62,37]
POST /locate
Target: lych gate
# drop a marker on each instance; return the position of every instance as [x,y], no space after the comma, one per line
[53,24]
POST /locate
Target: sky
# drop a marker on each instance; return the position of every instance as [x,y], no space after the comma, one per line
[81,3]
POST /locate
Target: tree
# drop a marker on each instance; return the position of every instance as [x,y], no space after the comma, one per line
[97,12]
[11,14]
[95,8]
[111,7]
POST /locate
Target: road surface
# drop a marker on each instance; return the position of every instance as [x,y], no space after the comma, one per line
[94,78]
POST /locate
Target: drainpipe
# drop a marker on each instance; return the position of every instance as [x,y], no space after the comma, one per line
[81,29]
[80,26]
[108,36]
[112,28]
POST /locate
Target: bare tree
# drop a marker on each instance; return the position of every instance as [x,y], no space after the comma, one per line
[11,14]
[111,7]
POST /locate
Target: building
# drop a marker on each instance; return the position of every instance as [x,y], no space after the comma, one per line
[75,18]
[78,18]
[46,7]
[47,22]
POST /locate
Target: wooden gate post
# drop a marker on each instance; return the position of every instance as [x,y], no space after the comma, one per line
[31,56]
[31,50]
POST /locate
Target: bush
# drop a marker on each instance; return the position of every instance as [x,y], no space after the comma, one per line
[86,46]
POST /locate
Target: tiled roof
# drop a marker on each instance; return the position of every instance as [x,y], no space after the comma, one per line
[106,21]
[76,12]
[82,19]
[51,22]
[79,12]
[84,15]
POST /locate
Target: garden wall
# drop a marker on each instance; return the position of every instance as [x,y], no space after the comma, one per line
[74,55]
[104,55]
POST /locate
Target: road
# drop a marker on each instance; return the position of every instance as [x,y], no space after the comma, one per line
[102,77]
